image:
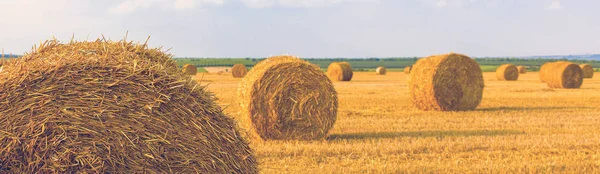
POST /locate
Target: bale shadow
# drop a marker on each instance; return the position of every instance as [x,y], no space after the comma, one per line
[528,108]
[422,134]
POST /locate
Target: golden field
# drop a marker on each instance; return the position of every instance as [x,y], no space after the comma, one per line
[520,127]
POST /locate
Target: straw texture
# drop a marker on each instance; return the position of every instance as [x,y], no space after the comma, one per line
[189,69]
[588,71]
[286,98]
[564,75]
[380,70]
[449,82]
[339,71]
[112,107]
[239,70]
[545,69]
[507,72]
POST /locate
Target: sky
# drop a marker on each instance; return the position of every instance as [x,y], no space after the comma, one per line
[313,28]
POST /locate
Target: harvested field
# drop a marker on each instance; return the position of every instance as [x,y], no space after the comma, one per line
[218,69]
[519,127]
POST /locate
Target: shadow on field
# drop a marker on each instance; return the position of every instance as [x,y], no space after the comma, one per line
[529,108]
[423,134]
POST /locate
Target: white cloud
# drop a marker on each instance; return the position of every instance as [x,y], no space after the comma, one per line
[555,5]
[297,3]
[129,6]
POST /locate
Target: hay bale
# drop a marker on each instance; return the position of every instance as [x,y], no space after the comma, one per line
[104,107]
[545,69]
[380,70]
[564,75]
[448,82]
[189,69]
[339,71]
[507,72]
[286,98]
[239,70]
[522,69]
[407,69]
[588,71]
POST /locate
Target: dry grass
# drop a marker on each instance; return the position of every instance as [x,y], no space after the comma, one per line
[446,82]
[340,71]
[507,72]
[110,107]
[380,70]
[564,75]
[522,69]
[189,69]
[286,98]
[537,130]
[588,70]
[239,70]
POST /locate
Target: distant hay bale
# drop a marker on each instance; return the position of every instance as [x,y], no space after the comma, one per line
[112,107]
[239,70]
[286,98]
[380,70]
[544,70]
[588,71]
[522,69]
[507,72]
[340,71]
[564,75]
[407,69]
[189,69]
[448,82]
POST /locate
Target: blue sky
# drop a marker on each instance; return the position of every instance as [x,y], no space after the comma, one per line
[314,28]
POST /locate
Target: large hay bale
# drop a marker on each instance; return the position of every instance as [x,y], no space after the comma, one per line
[380,70]
[564,75]
[588,71]
[189,69]
[407,69]
[239,70]
[286,98]
[507,72]
[112,107]
[340,71]
[448,82]
[545,70]
[522,69]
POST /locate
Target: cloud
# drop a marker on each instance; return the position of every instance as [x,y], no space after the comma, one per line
[555,5]
[129,6]
[297,3]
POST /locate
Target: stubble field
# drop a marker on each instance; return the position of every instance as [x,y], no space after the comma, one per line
[520,126]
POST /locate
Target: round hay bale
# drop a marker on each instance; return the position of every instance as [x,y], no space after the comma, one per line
[545,69]
[564,75]
[448,82]
[239,70]
[522,69]
[286,98]
[588,71]
[407,69]
[507,72]
[112,107]
[380,70]
[189,69]
[340,71]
